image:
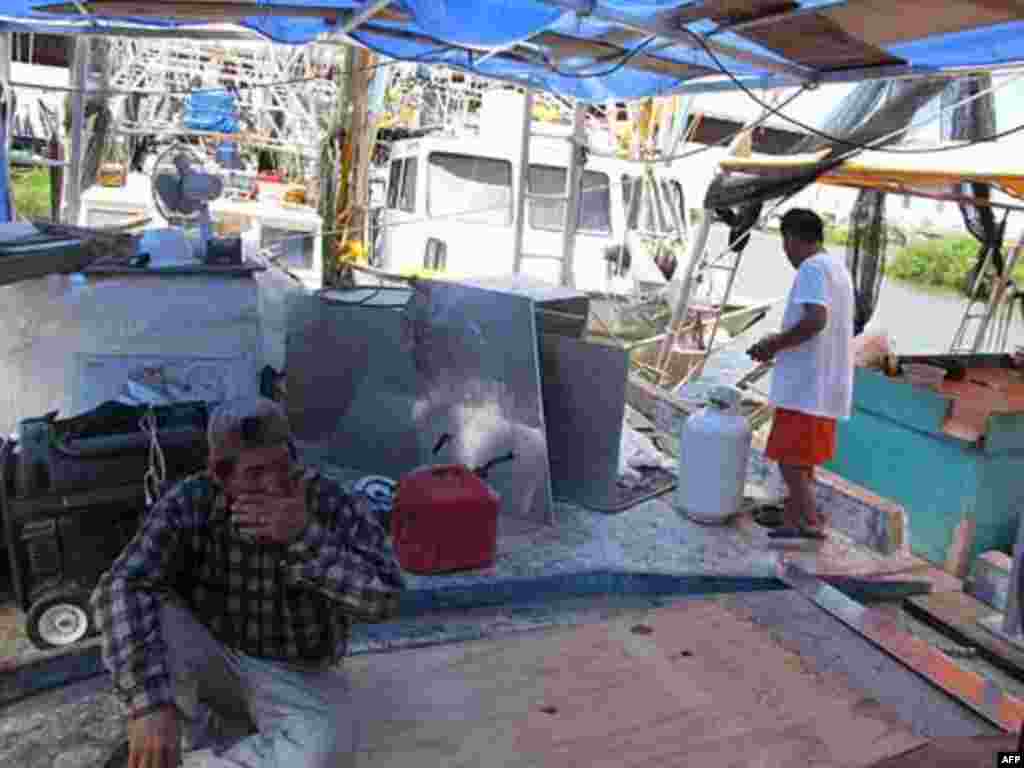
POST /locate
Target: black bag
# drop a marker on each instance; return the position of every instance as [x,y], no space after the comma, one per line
[107,447]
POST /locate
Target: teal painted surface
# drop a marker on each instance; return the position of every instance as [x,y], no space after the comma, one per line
[916,408]
[1005,436]
[894,446]
[1001,494]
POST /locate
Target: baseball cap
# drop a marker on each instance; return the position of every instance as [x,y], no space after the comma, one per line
[249,422]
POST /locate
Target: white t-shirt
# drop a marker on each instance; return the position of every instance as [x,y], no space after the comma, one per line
[817,376]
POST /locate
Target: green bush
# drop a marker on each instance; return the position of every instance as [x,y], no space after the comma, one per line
[895,236]
[942,262]
[837,235]
[841,235]
[31,191]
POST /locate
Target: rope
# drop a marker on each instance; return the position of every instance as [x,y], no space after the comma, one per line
[156,476]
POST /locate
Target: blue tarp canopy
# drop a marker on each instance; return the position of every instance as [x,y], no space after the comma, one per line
[597,50]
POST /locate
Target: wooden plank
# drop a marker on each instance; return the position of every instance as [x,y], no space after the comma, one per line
[957,613]
[567,45]
[663,408]
[725,11]
[722,11]
[564,46]
[212,10]
[954,752]
[873,589]
[938,578]
[815,40]
[958,557]
[883,22]
[978,693]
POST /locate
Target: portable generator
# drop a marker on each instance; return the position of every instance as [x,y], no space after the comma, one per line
[72,494]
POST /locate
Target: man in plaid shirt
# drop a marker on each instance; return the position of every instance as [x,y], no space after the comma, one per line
[231,607]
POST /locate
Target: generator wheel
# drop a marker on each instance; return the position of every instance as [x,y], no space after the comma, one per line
[59,620]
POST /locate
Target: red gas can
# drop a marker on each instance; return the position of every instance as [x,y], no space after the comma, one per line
[445,518]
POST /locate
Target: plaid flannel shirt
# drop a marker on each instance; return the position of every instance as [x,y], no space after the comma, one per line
[291,603]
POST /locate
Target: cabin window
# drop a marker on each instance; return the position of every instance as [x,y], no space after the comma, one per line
[649,217]
[673,196]
[473,189]
[595,203]
[402,185]
[595,215]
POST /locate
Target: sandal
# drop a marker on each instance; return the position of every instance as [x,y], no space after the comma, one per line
[796,532]
[769,515]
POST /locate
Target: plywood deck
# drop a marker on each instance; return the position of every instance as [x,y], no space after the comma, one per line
[692,684]
[971,752]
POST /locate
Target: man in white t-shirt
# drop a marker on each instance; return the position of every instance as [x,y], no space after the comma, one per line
[812,382]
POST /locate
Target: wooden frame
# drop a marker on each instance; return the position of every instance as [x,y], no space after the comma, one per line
[210,10]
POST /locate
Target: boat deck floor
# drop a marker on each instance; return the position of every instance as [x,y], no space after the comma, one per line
[758,679]
[677,677]
[549,562]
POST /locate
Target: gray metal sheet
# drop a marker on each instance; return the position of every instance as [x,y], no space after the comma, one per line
[559,309]
[478,379]
[351,387]
[375,387]
[584,387]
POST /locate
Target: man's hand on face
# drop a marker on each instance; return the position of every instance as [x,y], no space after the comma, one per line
[272,519]
[154,740]
[764,350]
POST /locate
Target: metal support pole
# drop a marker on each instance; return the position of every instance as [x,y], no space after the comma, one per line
[573,182]
[996,298]
[6,49]
[73,178]
[524,181]
[696,251]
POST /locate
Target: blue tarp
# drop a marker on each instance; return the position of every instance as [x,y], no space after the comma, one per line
[459,32]
[211,111]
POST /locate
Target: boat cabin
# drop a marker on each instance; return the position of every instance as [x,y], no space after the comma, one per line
[451,206]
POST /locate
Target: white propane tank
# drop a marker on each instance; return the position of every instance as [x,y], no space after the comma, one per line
[714,448]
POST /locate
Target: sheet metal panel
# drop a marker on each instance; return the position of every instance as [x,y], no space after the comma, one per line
[584,387]
[350,386]
[478,379]
[376,381]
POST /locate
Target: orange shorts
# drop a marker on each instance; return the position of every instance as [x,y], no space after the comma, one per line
[800,439]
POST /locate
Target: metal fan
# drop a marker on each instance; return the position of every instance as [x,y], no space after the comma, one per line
[183,191]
